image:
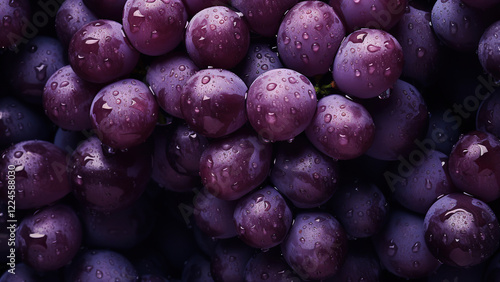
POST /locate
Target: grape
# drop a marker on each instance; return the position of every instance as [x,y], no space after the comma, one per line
[106,9]
[379,14]
[423,184]
[122,229]
[105,265]
[23,272]
[124,113]
[194,6]
[402,248]
[217,37]
[473,165]
[458,26]
[40,174]
[461,231]
[263,17]
[307,177]
[401,121]
[360,207]
[214,216]
[488,52]
[66,99]
[229,261]
[70,17]
[316,246]
[184,150]
[19,122]
[50,238]
[269,266]
[33,66]
[213,102]
[260,59]
[361,264]
[341,128]
[154,27]
[100,52]
[163,173]
[422,50]
[488,115]
[368,62]
[166,77]
[109,180]
[280,104]
[231,167]
[309,36]
[262,218]
[197,269]
[13,13]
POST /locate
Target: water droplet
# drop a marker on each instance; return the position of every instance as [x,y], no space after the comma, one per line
[302,240]
[421,52]
[416,247]
[453,28]
[205,79]
[315,47]
[305,35]
[372,48]
[98,274]
[271,86]
[428,184]
[298,45]
[371,68]
[271,118]
[357,73]
[328,118]
[392,249]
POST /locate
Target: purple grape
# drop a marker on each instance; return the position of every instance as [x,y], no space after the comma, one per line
[378,14]
[316,247]
[262,218]
[105,265]
[269,266]
[461,231]
[281,104]
[401,120]
[307,177]
[23,272]
[402,248]
[368,62]
[185,149]
[50,238]
[163,173]
[264,17]
[66,99]
[197,269]
[458,26]
[40,176]
[341,128]
[488,115]
[107,180]
[107,9]
[229,261]
[481,4]
[309,37]
[419,188]
[260,59]
[33,66]
[361,264]
[100,52]
[18,122]
[124,113]
[214,216]
[473,165]
[13,15]
[70,17]
[231,167]
[361,208]
[217,37]
[122,229]
[154,27]
[194,6]
[166,77]
[213,102]
[422,50]
[488,53]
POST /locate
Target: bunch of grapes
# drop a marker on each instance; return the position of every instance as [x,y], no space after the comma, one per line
[249,140]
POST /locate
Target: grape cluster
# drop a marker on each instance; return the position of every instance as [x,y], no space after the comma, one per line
[249,140]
